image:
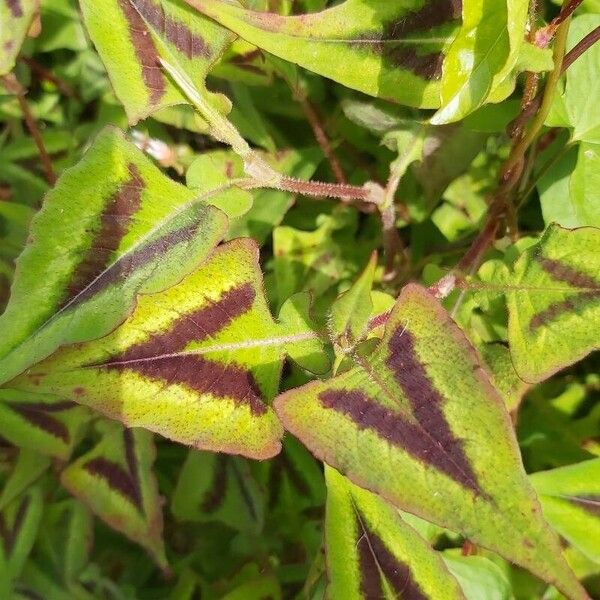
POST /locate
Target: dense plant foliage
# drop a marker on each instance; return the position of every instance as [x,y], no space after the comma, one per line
[299,299]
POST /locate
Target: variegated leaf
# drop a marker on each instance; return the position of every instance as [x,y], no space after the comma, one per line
[372,553]
[45,423]
[132,35]
[217,487]
[116,481]
[387,49]
[15,18]
[571,501]
[554,302]
[195,363]
[131,231]
[420,423]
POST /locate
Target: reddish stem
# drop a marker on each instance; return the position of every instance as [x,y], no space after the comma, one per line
[14,87]
[322,139]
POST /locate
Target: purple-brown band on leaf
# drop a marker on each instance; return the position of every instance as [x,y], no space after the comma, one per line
[114,224]
[117,478]
[576,279]
[376,562]
[133,466]
[176,32]
[37,416]
[427,406]
[8,536]
[214,497]
[162,356]
[145,51]
[366,413]
[16,10]
[588,502]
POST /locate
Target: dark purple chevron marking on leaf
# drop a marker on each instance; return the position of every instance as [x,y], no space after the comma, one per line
[133,466]
[366,413]
[576,279]
[588,502]
[114,224]
[562,272]
[433,13]
[427,403]
[145,51]
[117,478]
[38,415]
[162,357]
[376,561]
[215,495]
[137,259]
[176,32]
[243,489]
[16,10]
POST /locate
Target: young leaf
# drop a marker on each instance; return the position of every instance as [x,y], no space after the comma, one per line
[43,423]
[132,35]
[194,363]
[420,423]
[350,313]
[217,487]
[116,481]
[386,49]
[571,501]
[554,302]
[372,553]
[482,55]
[133,231]
[15,16]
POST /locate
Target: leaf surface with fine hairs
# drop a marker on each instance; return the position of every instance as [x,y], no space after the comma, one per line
[132,36]
[419,422]
[390,50]
[196,363]
[133,231]
[116,481]
[554,302]
[373,553]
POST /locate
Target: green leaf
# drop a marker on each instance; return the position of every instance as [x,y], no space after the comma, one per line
[373,553]
[482,55]
[351,312]
[419,422]
[571,501]
[199,373]
[19,523]
[479,577]
[576,107]
[43,423]
[15,16]
[133,231]
[116,481]
[132,35]
[28,467]
[385,49]
[554,302]
[217,487]
[68,528]
[214,169]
